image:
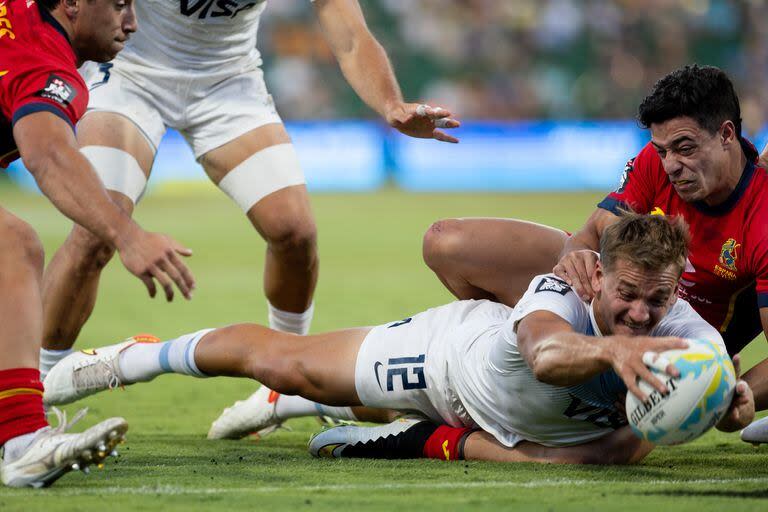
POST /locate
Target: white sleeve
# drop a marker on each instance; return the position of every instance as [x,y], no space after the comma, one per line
[683,321]
[550,293]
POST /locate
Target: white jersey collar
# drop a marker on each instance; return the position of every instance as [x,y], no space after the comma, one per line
[592,319]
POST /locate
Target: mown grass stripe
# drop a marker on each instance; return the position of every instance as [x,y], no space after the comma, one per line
[256,489]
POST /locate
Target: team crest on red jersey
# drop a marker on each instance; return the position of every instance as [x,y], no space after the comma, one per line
[728,254]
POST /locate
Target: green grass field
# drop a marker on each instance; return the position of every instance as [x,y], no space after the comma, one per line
[371,272]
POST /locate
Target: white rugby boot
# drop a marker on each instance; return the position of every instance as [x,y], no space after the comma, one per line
[54,452]
[756,433]
[401,439]
[254,415]
[87,372]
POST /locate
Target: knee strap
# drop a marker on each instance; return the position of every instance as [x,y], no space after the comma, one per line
[267,171]
[118,170]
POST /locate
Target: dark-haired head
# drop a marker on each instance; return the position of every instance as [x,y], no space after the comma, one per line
[695,122]
[703,93]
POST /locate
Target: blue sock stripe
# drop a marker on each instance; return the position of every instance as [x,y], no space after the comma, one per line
[163,359]
[189,353]
[319,408]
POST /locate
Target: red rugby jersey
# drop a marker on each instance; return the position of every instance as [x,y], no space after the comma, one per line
[38,71]
[726,279]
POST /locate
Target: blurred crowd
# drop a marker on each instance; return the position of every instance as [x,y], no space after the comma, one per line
[522,59]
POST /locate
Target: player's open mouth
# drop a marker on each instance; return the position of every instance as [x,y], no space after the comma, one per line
[636,328]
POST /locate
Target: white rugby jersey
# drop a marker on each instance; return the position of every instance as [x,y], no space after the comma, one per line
[194,35]
[501,394]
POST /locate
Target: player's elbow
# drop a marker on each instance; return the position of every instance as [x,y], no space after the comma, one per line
[545,364]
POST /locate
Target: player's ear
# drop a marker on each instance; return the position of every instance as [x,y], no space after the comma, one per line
[597,277]
[673,297]
[71,8]
[727,132]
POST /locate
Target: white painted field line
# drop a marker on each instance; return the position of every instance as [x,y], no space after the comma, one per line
[168,490]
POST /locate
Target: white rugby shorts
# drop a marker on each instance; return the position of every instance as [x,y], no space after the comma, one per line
[208,109]
[406,365]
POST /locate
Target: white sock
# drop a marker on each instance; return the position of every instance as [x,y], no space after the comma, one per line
[145,361]
[294,406]
[15,448]
[49,358]
[285,321]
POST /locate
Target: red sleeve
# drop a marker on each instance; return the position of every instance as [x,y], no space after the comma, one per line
[638,185]
[44,88]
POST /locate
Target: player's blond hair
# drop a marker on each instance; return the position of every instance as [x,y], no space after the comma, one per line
[651,242]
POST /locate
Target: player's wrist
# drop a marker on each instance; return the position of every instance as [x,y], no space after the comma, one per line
[391,109]
[126,232]
[607,354]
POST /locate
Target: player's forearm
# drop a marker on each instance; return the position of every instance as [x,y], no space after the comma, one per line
[585,239]
[362,59]
[618,447]
[588,237]
[67,179]
[568,358]
[757,378]
[368,70]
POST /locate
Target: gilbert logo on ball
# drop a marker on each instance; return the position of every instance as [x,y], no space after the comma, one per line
[696,400]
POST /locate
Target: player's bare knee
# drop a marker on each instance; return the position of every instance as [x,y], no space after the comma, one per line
[442,243]
[294,239]
[20,244]
[89,251]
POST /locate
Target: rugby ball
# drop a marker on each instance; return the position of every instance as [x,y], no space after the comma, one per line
[697,399]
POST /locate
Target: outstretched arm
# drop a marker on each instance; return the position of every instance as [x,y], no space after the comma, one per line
[367,69]
[49,149]
[618,447]
[559,356]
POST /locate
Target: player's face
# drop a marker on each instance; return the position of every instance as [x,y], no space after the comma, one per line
[102,27]
[631,300]
[696,161]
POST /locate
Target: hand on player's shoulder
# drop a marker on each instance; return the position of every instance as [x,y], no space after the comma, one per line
[576,269]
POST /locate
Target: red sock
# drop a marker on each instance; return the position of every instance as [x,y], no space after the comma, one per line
[21,403]
[446,443]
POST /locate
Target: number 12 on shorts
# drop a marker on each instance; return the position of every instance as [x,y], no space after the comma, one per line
[408,370]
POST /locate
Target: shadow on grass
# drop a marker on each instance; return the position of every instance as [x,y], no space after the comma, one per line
[723,493]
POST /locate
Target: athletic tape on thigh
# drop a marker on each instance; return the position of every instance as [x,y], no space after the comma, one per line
[118,170]
[267,171]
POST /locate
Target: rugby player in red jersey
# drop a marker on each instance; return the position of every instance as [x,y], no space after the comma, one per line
[41,98]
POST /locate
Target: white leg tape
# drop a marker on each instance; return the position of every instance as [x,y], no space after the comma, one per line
[118,170]
[267,171]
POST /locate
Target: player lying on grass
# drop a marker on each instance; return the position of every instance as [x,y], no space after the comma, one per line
[697,165]
[41,98]
[536,378]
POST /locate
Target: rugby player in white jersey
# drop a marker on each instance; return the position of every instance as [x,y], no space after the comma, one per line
[537,378]
[194,67]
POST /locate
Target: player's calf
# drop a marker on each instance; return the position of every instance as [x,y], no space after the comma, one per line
[86,253]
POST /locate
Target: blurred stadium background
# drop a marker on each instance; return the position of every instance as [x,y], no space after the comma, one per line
[547,89]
